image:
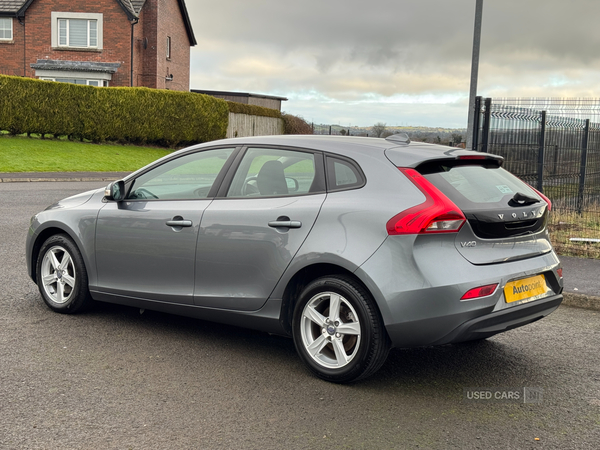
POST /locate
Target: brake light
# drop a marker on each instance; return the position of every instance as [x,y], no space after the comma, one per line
[559,272]
[472,157]
[546,199]
[437,214]
[481,291]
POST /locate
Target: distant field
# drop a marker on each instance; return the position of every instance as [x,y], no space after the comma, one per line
[22,154]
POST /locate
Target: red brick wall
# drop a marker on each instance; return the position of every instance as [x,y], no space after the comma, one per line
[159,19]
[116,32]
[12,53]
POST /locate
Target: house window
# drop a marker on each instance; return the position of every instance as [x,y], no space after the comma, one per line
[6,31]
[168,47]
[76,30]
[77,33]
[97,83]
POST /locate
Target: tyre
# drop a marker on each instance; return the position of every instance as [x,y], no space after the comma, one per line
[338,331]
[61,275]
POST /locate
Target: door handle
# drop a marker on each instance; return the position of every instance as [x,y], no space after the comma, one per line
[285,224]
[179,223]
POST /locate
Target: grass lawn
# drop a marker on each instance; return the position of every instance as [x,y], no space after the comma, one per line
[22,154]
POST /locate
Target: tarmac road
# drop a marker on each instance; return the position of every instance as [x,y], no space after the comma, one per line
[113,378]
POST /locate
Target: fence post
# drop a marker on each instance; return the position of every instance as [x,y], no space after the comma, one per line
[540,171]
[476,120]
[584,148]
[485,131]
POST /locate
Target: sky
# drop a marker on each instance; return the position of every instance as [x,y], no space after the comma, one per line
[401,62]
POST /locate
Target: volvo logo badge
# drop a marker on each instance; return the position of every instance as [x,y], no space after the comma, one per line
[501,216]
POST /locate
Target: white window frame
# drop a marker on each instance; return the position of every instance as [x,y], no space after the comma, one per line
[12,31]
[169,47]
[88,82]
[56,17]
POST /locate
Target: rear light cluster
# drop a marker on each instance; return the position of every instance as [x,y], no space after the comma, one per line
[437,214]
[546,199]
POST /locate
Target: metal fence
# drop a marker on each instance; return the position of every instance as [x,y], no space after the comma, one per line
[554,145]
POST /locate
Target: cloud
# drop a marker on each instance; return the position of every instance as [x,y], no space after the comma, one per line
[384,51]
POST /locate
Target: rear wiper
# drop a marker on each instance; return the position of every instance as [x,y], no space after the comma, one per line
[520,199]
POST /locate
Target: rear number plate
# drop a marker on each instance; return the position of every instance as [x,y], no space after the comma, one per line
[530,288]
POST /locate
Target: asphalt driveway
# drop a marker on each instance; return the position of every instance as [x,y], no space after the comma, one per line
[115,378]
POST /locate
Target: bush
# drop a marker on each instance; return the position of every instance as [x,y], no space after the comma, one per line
[295,125]
[135,115]
[252,110]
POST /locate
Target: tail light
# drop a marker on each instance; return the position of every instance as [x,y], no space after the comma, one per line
[437,214]
[546,199]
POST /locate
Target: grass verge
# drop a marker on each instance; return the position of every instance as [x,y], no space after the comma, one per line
[566,224]
[22,154]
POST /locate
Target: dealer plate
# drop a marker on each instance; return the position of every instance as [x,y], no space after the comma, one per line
[528,288]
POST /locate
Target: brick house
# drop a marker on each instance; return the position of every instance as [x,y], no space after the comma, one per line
[99,43]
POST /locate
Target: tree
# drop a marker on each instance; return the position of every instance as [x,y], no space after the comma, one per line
[378,129]
[343,132]
[457,138]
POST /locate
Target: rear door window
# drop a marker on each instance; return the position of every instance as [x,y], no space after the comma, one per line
[271,172]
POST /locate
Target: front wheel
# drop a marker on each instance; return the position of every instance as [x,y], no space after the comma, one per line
[338,331]
[61,275]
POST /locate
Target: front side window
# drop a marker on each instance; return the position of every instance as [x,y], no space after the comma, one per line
[77,30]
[6,31]
[265,172]
[189,177]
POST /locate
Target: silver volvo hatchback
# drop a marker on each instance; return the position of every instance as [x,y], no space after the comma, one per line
[349,245]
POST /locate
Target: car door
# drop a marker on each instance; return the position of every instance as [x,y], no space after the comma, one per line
[146,244]
[252,230]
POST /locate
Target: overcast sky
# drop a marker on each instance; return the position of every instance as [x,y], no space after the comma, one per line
[402,62]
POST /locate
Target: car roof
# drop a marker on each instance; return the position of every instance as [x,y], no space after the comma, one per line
[401,154]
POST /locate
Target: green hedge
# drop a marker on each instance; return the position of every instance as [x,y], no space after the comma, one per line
[135,115]
[252,110]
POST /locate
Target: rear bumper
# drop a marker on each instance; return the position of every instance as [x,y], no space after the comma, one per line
[503,320]
[485,324]
[418,289]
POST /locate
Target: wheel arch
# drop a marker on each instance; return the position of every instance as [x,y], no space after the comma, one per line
[306,275]
[51,230]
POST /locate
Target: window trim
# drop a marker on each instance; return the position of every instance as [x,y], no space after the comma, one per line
[12,30]
[168,48]
[55,29]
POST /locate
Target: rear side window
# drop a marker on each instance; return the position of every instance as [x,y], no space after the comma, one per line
[476,186]
[268,172]
[343,174]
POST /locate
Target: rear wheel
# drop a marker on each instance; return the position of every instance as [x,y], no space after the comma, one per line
[61,275]
[338,331]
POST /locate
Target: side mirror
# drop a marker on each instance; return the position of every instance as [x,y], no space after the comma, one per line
[115,191]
